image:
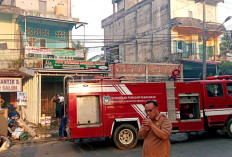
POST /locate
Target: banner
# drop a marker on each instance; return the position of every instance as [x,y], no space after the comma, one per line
[33,52]
[77,65]
[21,98]
[9,84]
[113,54]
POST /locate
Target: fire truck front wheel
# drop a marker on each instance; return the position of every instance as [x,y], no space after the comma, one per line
[125,136]
[229,128]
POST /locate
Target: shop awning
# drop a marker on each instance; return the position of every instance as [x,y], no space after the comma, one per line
[63,72]
[12,73]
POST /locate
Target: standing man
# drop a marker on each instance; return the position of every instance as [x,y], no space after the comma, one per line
[56,100]
[155,129]
[62,128]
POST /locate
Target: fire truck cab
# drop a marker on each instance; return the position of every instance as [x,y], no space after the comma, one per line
[115,109]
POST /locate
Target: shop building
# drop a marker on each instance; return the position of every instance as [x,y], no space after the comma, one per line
[36,39]
[10,85]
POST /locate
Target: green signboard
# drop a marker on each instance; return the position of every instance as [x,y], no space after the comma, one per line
[78,65]
[113,55]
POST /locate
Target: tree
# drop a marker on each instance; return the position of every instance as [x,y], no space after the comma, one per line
[225,68]
[78,45]
[96,58]
[225,45]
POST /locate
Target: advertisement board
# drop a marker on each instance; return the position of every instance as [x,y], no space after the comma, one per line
[21,98]
[9,84]
[77,65]
[113,54]
[53,53]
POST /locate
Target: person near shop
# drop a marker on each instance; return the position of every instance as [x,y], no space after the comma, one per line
[2,101]
[155,129]
[12,113]
[62,127]
[55,100]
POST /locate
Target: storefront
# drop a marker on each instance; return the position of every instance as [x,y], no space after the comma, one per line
[45,83]
[11,88]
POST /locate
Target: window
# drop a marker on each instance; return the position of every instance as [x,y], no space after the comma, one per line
[29,31]
[3,46]
[61,34]
[37,31]
[229,88]
[31,42]
[42,43]
[214,90]
[45,32]
[190,14]
[210,52]
[42,6]
[201,51]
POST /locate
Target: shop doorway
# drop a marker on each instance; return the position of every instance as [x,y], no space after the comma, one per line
[50,86]
[9,98]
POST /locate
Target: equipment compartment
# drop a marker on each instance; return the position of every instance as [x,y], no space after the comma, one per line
[189,106]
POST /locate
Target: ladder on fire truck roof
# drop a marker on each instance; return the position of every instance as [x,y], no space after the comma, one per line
[170,89]
[222,77]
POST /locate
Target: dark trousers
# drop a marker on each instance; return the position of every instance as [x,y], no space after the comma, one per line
[62,127]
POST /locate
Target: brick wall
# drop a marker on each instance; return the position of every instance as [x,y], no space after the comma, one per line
[139,70]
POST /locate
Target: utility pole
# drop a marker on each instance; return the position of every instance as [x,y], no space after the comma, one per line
[204,69]
[114,11]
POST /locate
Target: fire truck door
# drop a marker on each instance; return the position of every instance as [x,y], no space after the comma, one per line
[215,103]
[88,115]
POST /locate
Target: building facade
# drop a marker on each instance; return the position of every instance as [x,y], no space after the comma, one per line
[151,31]
[36,41]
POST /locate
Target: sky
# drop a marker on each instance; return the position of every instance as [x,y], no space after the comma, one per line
[91,12]
[94,11]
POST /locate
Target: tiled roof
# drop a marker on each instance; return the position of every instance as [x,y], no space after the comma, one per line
[12,73]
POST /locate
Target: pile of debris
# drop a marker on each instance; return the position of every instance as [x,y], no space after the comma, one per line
[12,127]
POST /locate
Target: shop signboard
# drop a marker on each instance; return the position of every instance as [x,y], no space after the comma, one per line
[113,54]
[56,53]
[10,84]
[77,65]
[21,98]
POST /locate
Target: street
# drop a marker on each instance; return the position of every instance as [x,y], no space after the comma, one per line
[198,145]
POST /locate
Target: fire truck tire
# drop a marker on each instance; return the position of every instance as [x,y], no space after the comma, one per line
[125,136]
[229,128]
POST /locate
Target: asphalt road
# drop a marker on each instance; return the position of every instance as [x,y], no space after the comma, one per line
[198,145]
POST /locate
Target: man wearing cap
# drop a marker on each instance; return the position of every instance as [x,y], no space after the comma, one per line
[63,123]
[55,99]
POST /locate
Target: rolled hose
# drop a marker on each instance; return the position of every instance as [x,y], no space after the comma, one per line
[6,143]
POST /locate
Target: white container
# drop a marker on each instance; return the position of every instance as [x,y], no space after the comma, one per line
[48,120]
[42,121]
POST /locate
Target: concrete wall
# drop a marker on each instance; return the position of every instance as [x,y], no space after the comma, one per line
[143,28]
[10,57]
[33,5]
[126,4]
[183,8]
[6,29]
[151,71]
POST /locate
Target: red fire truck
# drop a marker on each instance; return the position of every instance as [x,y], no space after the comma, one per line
[115,109]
